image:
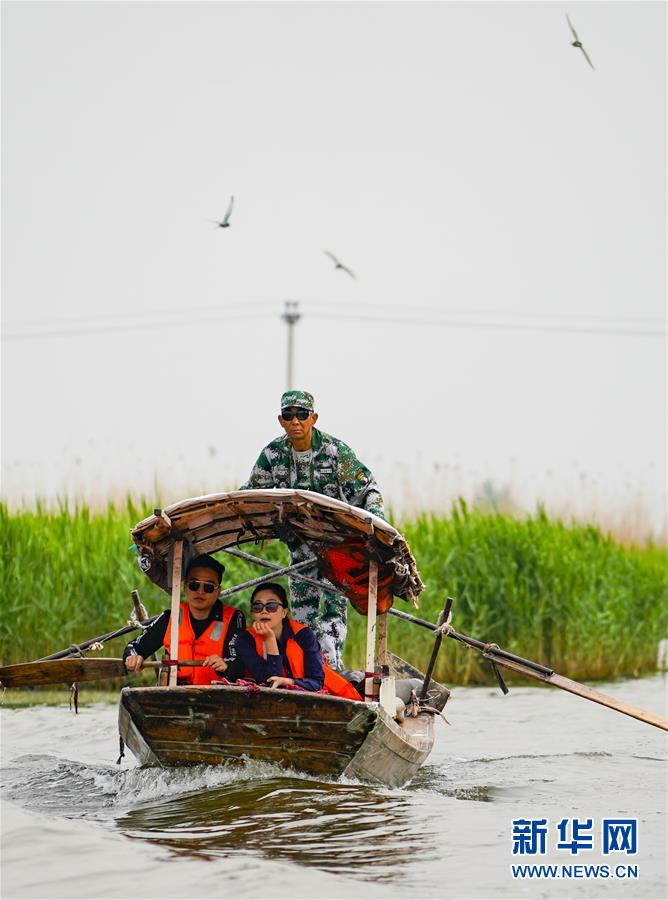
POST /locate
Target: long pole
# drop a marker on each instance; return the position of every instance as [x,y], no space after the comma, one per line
[176,602]
[275,573]
[77,649]
[291,316]
[541,673]
[371,630]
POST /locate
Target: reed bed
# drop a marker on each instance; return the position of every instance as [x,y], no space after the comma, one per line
[567,596]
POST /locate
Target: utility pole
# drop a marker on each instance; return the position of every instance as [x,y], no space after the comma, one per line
[291,316]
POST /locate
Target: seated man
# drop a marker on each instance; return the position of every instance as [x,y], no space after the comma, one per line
[280,652]
[207,629]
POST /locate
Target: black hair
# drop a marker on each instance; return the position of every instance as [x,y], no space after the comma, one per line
[278,589]
[204,561]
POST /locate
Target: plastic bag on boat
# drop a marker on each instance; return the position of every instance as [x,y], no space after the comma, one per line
[346,565]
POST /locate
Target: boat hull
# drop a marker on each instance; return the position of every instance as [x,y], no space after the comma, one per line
[317,734]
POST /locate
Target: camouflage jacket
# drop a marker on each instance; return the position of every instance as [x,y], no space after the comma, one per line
[335,471]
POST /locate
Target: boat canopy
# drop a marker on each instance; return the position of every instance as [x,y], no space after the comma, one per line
[343,537]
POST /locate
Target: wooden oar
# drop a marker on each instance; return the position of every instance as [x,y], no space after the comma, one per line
[66,671]
[541,673]
[498,656]
[74,649]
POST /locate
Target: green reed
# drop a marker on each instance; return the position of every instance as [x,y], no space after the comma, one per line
[567,596]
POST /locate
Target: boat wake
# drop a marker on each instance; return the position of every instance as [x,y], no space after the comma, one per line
[223,811]
[66,787]
[330,826]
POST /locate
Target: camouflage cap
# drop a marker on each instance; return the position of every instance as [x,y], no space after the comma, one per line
[297,398]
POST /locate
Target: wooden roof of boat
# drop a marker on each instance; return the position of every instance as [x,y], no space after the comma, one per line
[216,521]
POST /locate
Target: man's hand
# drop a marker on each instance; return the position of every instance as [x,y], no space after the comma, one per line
[134,663]
[277,681]
[216,662]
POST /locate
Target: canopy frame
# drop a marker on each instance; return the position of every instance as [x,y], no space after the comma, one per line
[220,522]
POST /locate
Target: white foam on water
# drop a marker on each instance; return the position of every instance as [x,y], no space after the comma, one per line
[139,786]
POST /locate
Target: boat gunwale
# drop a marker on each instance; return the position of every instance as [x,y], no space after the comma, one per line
[241,689]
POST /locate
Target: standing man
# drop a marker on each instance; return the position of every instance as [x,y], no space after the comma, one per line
[310,460]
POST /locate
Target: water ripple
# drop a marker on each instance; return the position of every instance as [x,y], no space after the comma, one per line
[325,825]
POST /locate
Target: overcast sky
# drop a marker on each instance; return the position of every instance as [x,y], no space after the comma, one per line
[502,200]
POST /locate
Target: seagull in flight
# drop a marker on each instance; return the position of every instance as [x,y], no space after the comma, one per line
[338,264]
[225,223]
[577,42]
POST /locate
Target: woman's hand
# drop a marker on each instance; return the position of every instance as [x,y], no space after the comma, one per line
[277,681]
[268,636]
[215,662]
[134,663]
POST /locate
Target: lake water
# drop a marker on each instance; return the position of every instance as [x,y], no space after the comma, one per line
[76,825]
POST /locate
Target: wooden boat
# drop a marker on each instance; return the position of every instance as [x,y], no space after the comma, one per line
[376,739]
[313,733]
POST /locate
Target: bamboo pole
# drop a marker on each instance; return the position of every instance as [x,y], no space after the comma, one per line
[176,602]
[371,630]
[275,573]
[382,639]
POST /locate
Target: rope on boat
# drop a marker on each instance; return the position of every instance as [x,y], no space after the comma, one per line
[435,712]
[487,652]
[121,747]
[250,686]
[432,694]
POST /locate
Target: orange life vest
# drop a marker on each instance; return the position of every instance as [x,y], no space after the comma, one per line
[334,683]
[209,642]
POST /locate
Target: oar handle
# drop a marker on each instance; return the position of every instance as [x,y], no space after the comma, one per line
[148,663]
[542,673]
[151,664]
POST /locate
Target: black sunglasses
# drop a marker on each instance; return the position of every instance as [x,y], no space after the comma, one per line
[289,416]
[207,586]
[270,606]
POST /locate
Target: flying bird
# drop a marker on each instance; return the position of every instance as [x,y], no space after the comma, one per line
[577,42]
[225,223]
[338,264]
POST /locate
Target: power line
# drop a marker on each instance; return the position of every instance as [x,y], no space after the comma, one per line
[176,311]
[494,312]
[244,304]
[361,317]
[139,326]
[503,326]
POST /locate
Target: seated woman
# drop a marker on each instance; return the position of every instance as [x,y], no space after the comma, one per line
[280,652]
